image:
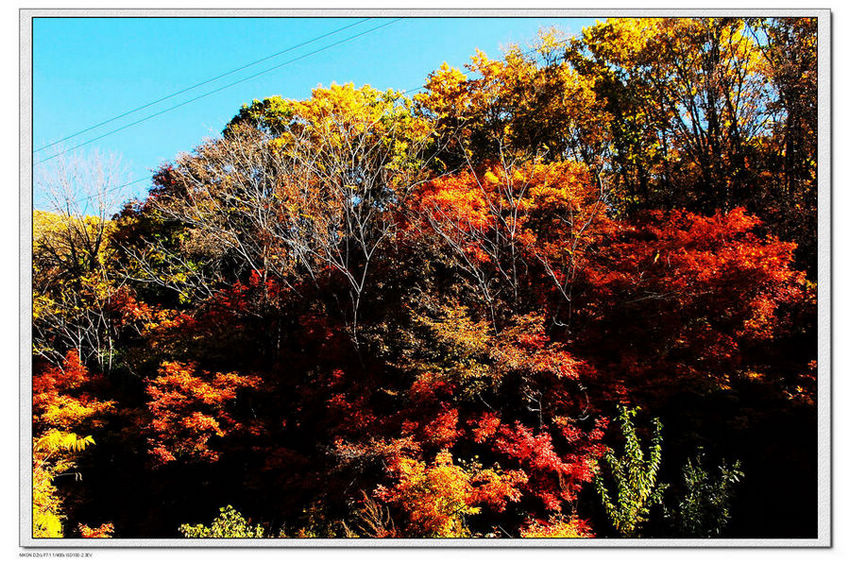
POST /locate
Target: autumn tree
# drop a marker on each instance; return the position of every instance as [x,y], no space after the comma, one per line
[703,294]
[190,408]
[53,455]
[438,497]
[363,315]
[688,98]
[298,188]
[507,229]
[66,413]
[73,278]
[789,47]
[529,105]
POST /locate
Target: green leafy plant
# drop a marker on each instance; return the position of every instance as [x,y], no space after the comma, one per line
[704,509]
[634,476]
[230,524]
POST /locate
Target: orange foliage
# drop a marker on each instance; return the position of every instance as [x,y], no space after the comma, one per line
[438,496]
[558,526]
[551,211]
[105,531]
[188,408]
[62,398]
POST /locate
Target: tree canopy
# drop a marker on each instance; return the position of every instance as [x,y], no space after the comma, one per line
[369,315]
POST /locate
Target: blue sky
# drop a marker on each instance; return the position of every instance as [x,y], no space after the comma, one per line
[87,70]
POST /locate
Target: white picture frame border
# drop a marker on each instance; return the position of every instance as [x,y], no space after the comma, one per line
[824,303]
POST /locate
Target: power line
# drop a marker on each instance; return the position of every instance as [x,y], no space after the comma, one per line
[234,83]
[207,81]
[406,91]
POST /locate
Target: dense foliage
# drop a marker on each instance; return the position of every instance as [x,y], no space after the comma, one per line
[513,306]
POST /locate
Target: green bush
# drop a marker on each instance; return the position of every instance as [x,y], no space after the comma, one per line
[634,476]
[230,524]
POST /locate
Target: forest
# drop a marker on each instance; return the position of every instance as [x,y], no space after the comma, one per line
[568,292]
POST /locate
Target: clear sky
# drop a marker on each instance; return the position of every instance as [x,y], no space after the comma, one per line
[87,70]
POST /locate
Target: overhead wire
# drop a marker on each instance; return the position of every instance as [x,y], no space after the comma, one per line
[219,89]
[199,84]
[406,91]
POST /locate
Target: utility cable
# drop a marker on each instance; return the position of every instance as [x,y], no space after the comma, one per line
[207,81]
[234,83]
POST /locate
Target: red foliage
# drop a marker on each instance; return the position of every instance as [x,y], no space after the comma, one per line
[188,408]
[485,427]
[553,477]
[347,417]
[442,431]
[67,398]
[679,296]
[128,309]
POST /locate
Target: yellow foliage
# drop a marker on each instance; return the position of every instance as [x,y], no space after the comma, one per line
[559,526]
[53,454]
[436,496]
[105,531]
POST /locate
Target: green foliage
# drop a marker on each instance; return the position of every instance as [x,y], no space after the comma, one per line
[635,476]
[704,509]
[230,524]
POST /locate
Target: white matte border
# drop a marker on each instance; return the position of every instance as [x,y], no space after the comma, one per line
[824,304]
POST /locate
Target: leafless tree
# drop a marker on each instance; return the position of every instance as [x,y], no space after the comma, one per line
[72,279]
[310,197]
